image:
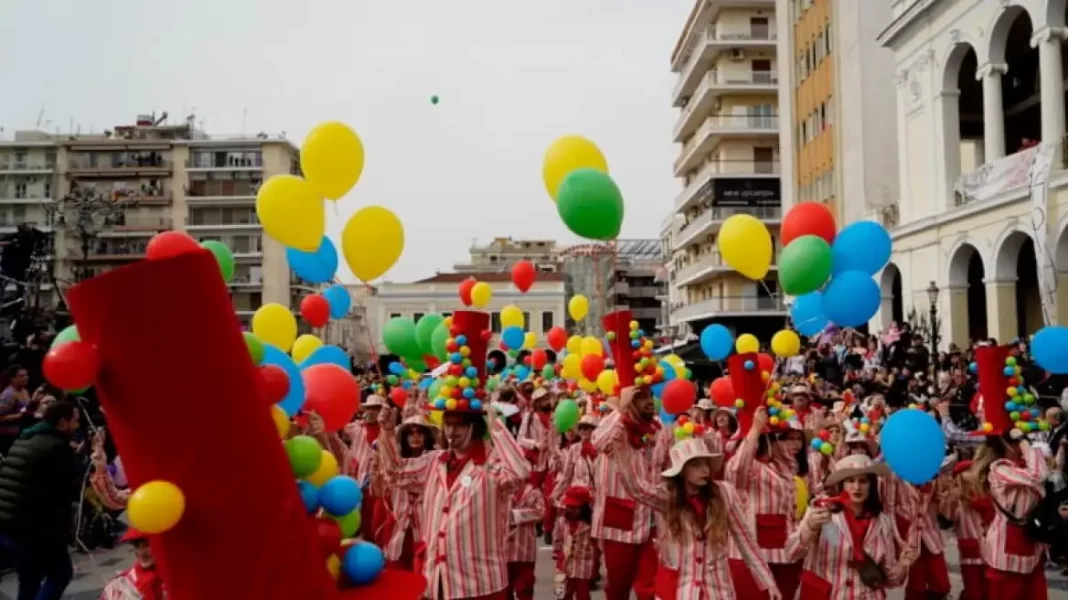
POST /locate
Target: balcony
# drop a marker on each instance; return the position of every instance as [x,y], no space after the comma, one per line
[228,163]
[26,199]
[710,220]
[700,186]
[137,225]
[716,83]
[108,254]
[27,167]
[121,167]
[153,197]
[704,267]
[717,127]
[249,222]
[246,280]
[729,306]
[710,44]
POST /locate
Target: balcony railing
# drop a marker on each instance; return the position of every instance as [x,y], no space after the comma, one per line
[722,213]
[121,165]
[700,263]
[727,304]
[27,166]
[134,223]
[726,125]
[715,33]
[727,80]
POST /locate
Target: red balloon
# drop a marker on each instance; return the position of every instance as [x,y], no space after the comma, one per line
[538,359]
[171,243]
[275,382]
[765,362]
[722,392]
[592,365]
[332,392]
[329,534]
[399,396]
[465,290]
[557,338]
[71,365]
[808,218]
[678,396]
[523,275]
[315,309]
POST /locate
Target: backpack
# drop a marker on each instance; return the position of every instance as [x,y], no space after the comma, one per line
[1042,524]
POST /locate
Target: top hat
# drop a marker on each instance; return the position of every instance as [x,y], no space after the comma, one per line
[1004,403]
[630,350]
[466,362]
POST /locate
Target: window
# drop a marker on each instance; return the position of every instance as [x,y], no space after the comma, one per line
[48,190]
[527,325]
[827,38]
[394,315]
[546,320]
[417,316]
[830,111]
[495,322]
[20,190]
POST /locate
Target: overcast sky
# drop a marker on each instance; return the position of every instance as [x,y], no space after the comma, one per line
[511,76]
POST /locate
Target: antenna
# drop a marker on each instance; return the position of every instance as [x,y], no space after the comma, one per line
[244,120]
[40,117]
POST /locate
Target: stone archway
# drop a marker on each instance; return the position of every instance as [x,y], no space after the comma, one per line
[961,106]
[1016,302]
[967,295]
[892,307]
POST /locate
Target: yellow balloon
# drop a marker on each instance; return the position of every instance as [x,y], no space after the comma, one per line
[591,345]
[574,344]
[372,241]
[587,386]
[291,212]
[511,316]
[566,154]
[327,469]
[481,294]
[801,495]
[281,420]
[746,245]
[606,381]
[155,507]
[332,159]
[448,322]
[578,307]
[437,417]
[572,368]
[747,342]
[785,343]
[304,346]
[275,325]
[674,359]
[529,340]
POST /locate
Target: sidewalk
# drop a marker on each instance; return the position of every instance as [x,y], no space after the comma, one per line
[89,578]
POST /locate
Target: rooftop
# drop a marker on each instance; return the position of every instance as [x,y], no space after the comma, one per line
[488,277]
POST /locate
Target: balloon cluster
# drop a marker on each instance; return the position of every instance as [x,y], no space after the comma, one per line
[1021,404]
[822,443]
[585,363]
[461,388]
[646,367]
[717,343]
[587,199]
[780,416]
[686,429]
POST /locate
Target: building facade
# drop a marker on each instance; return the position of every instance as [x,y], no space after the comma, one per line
[502,253]
[626,275]
[728,130]
[983,205]
[357,332]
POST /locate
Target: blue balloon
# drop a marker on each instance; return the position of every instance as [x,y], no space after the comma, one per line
[339,299]
[522,372]
[716,342]
[851,299]
[314,267]
[396,368]
[294,400]
[669,371]
[807,314]
[340,495]
[862,246]
[363,562]
[666,418]
[513,337]
[658,388]
[331,355]
[913,445]
[309,495]
[1049,347]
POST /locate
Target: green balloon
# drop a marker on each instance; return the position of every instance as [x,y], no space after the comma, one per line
[804,265]
[399,337]
[305,454]
[424,332]
[548,372]
[566,415]
[438,340]
[435,387]
[223,256]
[416,365]
[349,523]
[434,99]
[69,334]
[255,347]
[590,204]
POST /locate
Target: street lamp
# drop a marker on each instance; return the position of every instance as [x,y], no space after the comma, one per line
[84,214]
[932,296]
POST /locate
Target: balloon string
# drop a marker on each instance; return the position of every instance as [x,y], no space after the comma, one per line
[370,336]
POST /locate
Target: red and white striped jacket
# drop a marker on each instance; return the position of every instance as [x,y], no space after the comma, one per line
[827,555]
[769,489]
[465,524]
[913,511]
[1017,489]
[580,552]
[521,543]
[968,528]
[611,438]
[576,469]
[360,456]
[535,437]
[404,508]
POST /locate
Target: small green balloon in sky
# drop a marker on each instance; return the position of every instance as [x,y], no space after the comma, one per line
[434,99]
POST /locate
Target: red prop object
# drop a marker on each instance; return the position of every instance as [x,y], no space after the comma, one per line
[171,243]
[523,275]
[465,290]
[678,396]
[809,218]
[618,323]
[332,392]
[275,383]
[315,309]
[748,386]
[990,371]
[71,366]
[766,363]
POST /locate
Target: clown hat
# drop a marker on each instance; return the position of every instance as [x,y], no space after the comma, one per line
[465,375]
[1003,401]
[617,333]
[748,387]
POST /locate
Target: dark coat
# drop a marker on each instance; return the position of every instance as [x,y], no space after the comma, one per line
[39,483]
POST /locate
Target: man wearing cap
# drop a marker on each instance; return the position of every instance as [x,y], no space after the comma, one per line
[142,580]
[360,456]
[536,439]
[801,401]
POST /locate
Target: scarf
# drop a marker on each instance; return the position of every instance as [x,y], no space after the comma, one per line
[371,431]
[545,418]
[858,529]
[588,451]
[700,514]
[640,433]
[455,461]
[983,505]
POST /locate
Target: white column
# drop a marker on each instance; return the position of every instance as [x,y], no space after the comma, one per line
[1048,42]
[993,111]
[947,113]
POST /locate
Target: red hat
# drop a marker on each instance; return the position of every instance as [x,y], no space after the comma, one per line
[467,331]
[961,466]
[748,387]
[993,387]
[617,333]
[133,535]
[577,495]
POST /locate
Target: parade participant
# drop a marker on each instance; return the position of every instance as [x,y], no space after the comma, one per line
[402,527]
[764,468]
[142,580]
[969,507]
[1012,472]
[702,412]
[578,468]
[848,541]
[800,399]
[467,488]
[861,443]
[359,459]
[820,464]
[521,542]
[107,490]
[580,555]
[624,527]
[536,438]
[698,521]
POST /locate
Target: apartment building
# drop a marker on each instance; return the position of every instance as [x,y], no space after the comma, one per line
[728,130]
[501,253]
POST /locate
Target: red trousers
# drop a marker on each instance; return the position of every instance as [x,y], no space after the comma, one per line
[368,511]
[972,576]
[520,581]
[629,566]
[928,577]
[787,578]
[577,589]
[405,562]
[548,519]
[501,595]
[1017,586]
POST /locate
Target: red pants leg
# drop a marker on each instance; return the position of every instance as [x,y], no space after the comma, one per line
[972,578]
[745,586]
[1016,586]
[577,589]
[521,580]
[368,527]
[928,577]
[645,578]
[787,578]
[621,565]
[548,520]
[406,561]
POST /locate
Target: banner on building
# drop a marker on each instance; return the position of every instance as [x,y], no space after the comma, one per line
[1041,166]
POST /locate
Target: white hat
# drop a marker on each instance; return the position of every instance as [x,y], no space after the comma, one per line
[799,389]
[705,404]
[589,420]
[539,394]
[416,421]
[855,437]
[854,465]
[687,450]
[374,401]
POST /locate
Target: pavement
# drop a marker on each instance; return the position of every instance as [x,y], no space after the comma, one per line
[92,571]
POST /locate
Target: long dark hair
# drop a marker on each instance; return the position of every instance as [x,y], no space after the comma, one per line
[715,528]
[873,505]
[406,450]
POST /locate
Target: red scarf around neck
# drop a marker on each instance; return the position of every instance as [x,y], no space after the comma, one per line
[545,418]
[858,529]
[588,451]
[700,513]
[456,461]
[371,431]
[640,433]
